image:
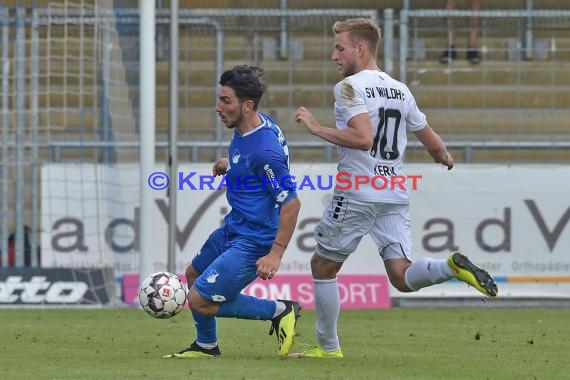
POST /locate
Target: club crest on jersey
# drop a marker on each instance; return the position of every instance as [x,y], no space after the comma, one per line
[212,277]
[236,156]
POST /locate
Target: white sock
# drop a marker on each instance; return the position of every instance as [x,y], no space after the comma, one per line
[207,346]
[427,272]
[280,308]
[327,306]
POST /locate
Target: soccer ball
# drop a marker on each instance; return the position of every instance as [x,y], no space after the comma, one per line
[162,295]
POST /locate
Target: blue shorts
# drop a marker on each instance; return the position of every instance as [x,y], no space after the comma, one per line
[226,264]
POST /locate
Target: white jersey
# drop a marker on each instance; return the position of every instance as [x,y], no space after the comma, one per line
[393,111]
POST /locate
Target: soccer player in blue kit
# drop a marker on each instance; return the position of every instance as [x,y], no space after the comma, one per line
[256,231]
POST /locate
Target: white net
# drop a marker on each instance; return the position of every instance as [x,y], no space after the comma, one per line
[90,186]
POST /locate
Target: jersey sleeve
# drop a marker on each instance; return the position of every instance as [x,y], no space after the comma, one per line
[415,119]
[349,99]
[273,169]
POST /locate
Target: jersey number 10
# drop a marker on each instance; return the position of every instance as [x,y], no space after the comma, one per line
[385,129]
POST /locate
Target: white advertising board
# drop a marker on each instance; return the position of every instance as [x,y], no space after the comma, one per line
[512,220]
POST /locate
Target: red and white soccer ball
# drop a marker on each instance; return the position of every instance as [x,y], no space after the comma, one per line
[162,295]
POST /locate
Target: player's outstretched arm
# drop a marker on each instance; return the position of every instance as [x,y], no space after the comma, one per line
[358,135]
[435,146]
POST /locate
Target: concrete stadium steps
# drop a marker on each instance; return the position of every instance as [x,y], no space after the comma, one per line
[497,155]
[489,73]
[462,124]
[317,72]
[453,124]
[62,35]
[67,97]
[202,47]
[316,47]
[471,96]
[60,46]
[500,124]
[494,47]
[490,84]
[292,4]
[62,119]
[427,96]
[25,3]
[63,124]
[521,155]
[371,4]
[494,44]
[199,124]
[305,4]
[202,73]
[71,78]
[317,68]
[247,47]
[465,96]
[76,154]
[87,155]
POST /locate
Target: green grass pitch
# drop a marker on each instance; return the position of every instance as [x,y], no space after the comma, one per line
[401,343]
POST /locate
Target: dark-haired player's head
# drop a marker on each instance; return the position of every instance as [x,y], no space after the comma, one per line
[239,94]
[246,82]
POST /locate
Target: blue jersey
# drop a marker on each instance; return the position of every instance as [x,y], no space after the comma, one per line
[258,181]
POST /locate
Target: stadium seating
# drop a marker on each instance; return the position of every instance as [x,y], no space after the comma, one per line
[500,99]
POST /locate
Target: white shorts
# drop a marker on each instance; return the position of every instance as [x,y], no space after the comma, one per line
[345,221]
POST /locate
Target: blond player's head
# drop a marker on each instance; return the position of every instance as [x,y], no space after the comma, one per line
[356,43]
[360,30]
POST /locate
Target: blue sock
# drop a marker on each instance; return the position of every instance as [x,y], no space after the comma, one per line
[248,307]
[205,328]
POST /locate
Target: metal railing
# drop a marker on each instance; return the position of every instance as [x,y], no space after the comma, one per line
[54,151]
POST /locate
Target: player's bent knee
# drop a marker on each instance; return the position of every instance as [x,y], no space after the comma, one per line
[194,298]
[199,304]
[322,268]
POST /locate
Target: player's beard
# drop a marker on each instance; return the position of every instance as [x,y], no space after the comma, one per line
[231,120]
[348,69]
[237,122]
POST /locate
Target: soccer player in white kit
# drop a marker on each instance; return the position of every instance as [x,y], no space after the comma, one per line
[373,112]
